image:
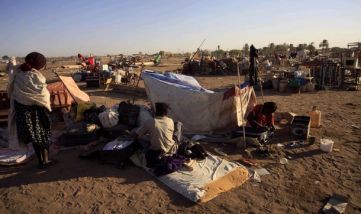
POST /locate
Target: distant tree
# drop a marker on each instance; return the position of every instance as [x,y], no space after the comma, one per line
[281,48]
[311,47]
[324,44]
[337,49]
[267,51]
[246,49]
[218,53]
[162,53]
[292,48]
[301,47]
[272,47]
[187,54]
[5,57]
[206,53]
[235,52]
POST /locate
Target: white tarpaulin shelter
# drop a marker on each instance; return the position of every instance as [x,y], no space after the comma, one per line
[200,110]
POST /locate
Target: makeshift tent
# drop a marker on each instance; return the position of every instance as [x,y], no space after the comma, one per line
[200,110]
[65,92]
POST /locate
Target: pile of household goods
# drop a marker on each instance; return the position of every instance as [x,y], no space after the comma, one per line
[86,122]
[121,71]
[207,65]
[297,79]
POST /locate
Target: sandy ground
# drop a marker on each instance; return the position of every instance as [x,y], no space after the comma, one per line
[301,186]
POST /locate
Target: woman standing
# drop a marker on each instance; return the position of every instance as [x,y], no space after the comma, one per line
[30,107]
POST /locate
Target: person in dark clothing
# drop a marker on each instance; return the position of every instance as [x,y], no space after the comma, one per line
[261,117]
[253,67]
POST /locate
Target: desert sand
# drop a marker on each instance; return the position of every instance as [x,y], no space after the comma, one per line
[303,185]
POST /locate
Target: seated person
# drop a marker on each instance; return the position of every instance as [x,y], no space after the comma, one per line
[161,130]
[261,117]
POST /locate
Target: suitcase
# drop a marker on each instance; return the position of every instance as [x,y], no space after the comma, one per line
[118,156]
[92,82]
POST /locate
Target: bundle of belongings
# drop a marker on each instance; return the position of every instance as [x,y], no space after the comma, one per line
[86,122]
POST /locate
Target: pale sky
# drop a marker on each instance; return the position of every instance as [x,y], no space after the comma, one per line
[68,27]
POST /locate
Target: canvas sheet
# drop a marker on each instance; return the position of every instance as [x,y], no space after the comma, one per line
[200,110]
[68,90]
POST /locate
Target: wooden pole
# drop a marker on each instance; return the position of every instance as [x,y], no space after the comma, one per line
[136,87]
[260,72]
[260,84]
[197,50]
[241,100]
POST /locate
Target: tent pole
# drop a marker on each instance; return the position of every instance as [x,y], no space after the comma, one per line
[136,87]
[260,84]
[240,99]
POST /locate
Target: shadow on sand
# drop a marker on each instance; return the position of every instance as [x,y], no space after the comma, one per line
[70,166]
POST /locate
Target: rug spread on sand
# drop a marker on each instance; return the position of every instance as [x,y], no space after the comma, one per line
[209,177]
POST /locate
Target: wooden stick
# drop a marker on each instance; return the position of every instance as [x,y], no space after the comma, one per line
[260,83]
[240,98]
[136,87]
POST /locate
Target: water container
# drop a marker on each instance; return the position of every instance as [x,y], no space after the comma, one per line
[283,85]
[275,84]
[315,116]
[326,145]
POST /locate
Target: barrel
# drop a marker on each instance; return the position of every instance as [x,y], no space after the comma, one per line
[283,85]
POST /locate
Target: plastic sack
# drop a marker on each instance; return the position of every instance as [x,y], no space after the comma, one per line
[109,118]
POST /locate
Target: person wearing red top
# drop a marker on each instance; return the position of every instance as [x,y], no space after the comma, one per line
[262,116]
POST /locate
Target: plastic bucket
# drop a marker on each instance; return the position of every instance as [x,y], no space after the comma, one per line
[326,145]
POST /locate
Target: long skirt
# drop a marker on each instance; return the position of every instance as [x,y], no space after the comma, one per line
[32,124]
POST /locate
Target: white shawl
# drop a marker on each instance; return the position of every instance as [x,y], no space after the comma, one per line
[27,88]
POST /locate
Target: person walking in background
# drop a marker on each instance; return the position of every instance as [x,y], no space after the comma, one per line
[29,121]
[11,65]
